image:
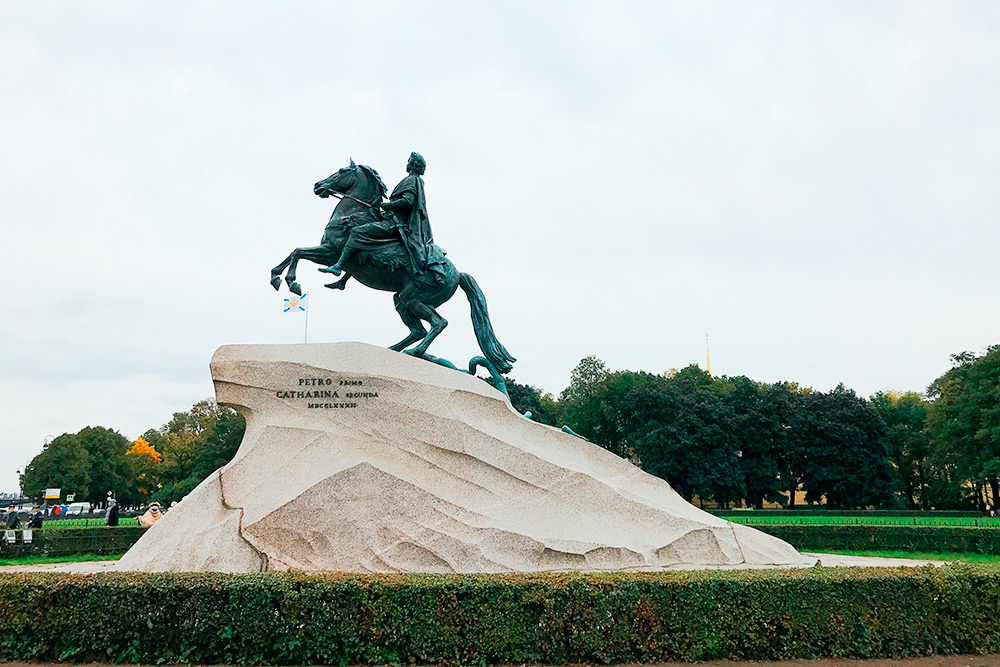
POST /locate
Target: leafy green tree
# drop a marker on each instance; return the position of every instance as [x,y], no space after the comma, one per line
[845,459]
[195,444]
[63,463]
[964,424]
[767,435]
[109,471]
[526,398]
[681,429]
[905,415]
[592,404]
[581,403]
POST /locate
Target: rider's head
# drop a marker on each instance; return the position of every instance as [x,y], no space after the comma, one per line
[416,163]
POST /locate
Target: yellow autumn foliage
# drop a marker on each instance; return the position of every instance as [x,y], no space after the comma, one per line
[142,448]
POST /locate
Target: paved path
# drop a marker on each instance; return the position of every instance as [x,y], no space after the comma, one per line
[827,560]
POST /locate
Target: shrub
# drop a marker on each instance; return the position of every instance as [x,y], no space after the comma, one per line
[930,539]
[485,619]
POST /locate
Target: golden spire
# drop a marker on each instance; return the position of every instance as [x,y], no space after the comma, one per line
[708,357]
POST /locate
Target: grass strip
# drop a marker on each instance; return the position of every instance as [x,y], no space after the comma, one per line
[42,560]
[950,557]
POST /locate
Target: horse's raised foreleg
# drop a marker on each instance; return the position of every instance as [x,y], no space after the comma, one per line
[431,316]
[417,329]
[320,254]
[276,272]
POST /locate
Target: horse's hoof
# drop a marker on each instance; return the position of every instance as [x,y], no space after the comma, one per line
[276,282]
[414,352]
[294,288]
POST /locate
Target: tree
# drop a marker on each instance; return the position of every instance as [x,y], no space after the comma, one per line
[526,398]
[195,444]
[594,402]
[681,430]
[63,463]
[144,463]
[766,432]
[109,471]
[845,457]
[905,415]
[581,402]
[964,423]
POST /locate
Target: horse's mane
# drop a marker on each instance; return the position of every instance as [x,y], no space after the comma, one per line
[378,179]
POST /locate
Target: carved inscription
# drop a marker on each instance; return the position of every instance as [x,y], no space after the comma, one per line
[329,393]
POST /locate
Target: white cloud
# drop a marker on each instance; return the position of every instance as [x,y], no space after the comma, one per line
[811,184]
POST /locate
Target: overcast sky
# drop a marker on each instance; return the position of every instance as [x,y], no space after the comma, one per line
[814,185]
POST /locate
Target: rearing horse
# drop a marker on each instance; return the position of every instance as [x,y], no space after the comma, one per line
[385,269]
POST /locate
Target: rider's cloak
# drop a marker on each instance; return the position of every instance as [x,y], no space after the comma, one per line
[416,228]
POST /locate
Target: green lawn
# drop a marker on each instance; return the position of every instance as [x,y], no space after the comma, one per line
[971,522]
[36,560]
[949,557]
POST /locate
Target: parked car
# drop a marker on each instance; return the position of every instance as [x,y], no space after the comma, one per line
[78,508]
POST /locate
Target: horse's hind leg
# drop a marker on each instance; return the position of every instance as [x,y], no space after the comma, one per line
[438,323]
[417,329]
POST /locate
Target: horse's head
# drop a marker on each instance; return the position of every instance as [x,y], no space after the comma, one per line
[359,181]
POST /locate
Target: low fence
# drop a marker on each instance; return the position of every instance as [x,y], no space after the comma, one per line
[92,522]
[71,542]
[822,511]
[814,518]
[807,537]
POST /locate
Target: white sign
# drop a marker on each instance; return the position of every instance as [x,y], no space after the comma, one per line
[52,493]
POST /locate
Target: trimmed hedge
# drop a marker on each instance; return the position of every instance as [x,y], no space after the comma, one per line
[74,541]
[931,539]
[610,618]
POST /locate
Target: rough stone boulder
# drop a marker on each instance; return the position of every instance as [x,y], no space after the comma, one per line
[360,459]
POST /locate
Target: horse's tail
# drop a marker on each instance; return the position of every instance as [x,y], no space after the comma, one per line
[488,343]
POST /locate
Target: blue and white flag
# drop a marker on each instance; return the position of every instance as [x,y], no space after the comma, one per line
[296,303]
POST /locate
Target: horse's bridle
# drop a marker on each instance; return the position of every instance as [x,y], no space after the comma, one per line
[341,194]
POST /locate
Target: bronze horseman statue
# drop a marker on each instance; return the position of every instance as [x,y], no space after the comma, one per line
[387,245]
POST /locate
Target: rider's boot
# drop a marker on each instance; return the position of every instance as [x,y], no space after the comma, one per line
[337,268]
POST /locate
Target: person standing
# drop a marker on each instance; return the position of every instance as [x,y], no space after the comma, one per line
[13,520]
[112,518]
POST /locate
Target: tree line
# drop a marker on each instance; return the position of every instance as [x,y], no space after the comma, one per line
[736,441]
[163,464]
[731,440]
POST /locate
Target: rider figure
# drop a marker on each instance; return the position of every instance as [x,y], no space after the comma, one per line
[406,217]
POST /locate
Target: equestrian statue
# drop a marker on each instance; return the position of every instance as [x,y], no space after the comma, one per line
[388,246]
